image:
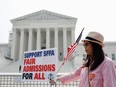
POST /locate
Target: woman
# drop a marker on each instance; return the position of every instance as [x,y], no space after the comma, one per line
[98,70]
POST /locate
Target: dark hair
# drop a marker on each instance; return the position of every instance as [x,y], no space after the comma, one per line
[97,59]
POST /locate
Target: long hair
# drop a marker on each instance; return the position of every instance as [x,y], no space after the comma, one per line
[97,58]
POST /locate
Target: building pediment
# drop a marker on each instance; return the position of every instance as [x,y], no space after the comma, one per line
[43,15]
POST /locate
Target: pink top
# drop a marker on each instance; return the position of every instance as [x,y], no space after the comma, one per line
[103,76]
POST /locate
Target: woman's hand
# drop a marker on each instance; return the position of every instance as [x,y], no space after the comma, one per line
[52,82]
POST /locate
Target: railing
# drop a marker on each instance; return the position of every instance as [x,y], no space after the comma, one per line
[14,80]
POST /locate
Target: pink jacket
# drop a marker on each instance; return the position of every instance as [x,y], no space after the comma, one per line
[103,76]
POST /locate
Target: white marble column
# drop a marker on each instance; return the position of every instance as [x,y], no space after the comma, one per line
[64,41]
[47,38]
[38,39]
[30,39]
[72,39]
[56,38]
[73,35]
[21,51]
[13,49]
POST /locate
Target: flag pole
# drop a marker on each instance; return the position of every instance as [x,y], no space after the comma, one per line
[69,53]
[60,67]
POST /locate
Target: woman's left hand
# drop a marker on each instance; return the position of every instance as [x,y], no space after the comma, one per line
[52,82]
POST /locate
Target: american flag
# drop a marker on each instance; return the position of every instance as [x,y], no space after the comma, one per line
[72,47]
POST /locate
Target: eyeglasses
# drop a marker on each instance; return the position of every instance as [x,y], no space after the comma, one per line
[86,44]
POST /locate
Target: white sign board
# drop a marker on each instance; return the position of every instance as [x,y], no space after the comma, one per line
[40,65]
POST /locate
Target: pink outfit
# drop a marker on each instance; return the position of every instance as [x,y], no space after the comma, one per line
[103,76]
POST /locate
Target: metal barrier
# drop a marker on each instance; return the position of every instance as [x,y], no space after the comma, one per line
[14,80]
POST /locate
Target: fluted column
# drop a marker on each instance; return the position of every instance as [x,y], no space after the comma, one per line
[38,39]
[13,49]
[47,38]
[21,44]
[30,40]
[64,41]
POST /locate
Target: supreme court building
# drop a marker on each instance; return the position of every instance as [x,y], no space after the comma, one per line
[42,30]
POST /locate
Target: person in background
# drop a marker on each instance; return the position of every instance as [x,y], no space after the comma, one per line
[97,70]
[19,68]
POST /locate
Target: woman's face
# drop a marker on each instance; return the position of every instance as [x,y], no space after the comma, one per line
[88,48]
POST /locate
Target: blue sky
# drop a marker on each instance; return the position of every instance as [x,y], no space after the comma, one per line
[94,15]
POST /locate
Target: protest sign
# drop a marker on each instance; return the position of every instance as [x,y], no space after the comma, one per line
[40,65]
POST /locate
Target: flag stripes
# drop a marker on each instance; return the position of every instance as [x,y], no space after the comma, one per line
[71,51]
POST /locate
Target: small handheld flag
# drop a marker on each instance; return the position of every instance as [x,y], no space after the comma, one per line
[71,49]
